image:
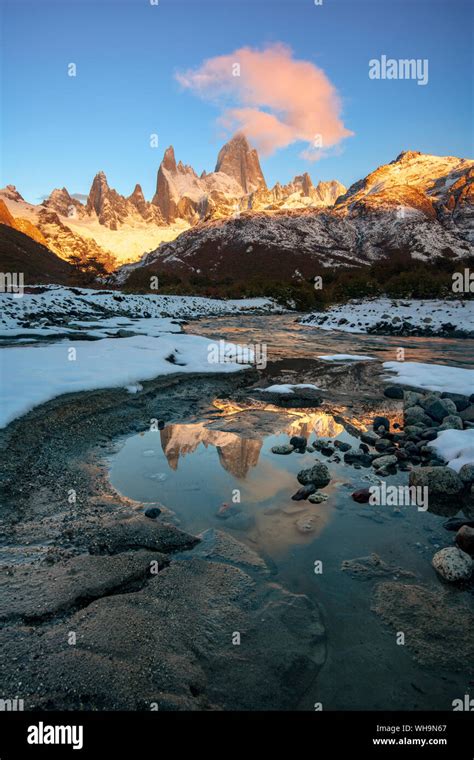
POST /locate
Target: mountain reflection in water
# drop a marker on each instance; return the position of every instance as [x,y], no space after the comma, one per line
[238,453]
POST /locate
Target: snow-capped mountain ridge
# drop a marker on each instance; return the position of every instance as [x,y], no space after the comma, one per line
[112,226]
[418,204]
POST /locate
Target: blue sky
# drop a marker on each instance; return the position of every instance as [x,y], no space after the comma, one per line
[59,130]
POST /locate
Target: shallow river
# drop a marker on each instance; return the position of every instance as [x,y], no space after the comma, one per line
[201,467]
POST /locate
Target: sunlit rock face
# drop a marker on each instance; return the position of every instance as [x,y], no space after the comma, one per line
[239,161]
[418,206]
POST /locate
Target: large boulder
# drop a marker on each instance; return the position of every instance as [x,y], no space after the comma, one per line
[452,422]
[445,487]
[410,398]
[461,402]
[452,564]
[438,408]
[466,473]
[213,634]
[465,539]
[386,461]
[318,475]
[468,414]
[416,415]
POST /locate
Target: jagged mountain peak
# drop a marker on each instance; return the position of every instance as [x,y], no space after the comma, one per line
[169,160]
[137,193]
[406,155]
[238,160]
[12,193]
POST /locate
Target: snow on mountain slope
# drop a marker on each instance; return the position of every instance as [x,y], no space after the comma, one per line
[437,187]
[113,227]
[420,205]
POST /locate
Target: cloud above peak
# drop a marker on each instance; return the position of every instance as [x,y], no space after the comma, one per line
[272,97]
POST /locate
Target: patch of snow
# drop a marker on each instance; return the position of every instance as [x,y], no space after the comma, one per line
[456,447]
[101,313]
[360,316]
[32,375]
[286,388]
[432,377]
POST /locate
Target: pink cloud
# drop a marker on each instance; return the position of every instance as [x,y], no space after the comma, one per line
[275,100]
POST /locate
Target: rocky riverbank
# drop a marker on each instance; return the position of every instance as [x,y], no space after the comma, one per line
[429,419]
[97,596]
[449,318]
[110,604]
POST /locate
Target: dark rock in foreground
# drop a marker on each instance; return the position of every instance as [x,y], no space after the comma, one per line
[317,475]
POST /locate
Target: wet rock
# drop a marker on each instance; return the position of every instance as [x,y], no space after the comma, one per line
[49,590]
[399,437]
[465,539]
[410,448]
[217,546]
[361,496]
[413,431]
[318,497]
[175,666]
[358,458]
[443,484]
[298,442]
[373,566]
[369,438]
[438,408]
[152,512]
[430,435]
[437,623]
[451,422]
[318,475]
[382,444]
[466,473]
[381,422]
[416,415]
[363,447]
[342,445]
[283,449]
[461,402]
[452,564]
[455,523]
[388,461]
[411,398]
[468,414]
[112,535]
[401,455]
[304,492]
[327,450]
[393,391]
